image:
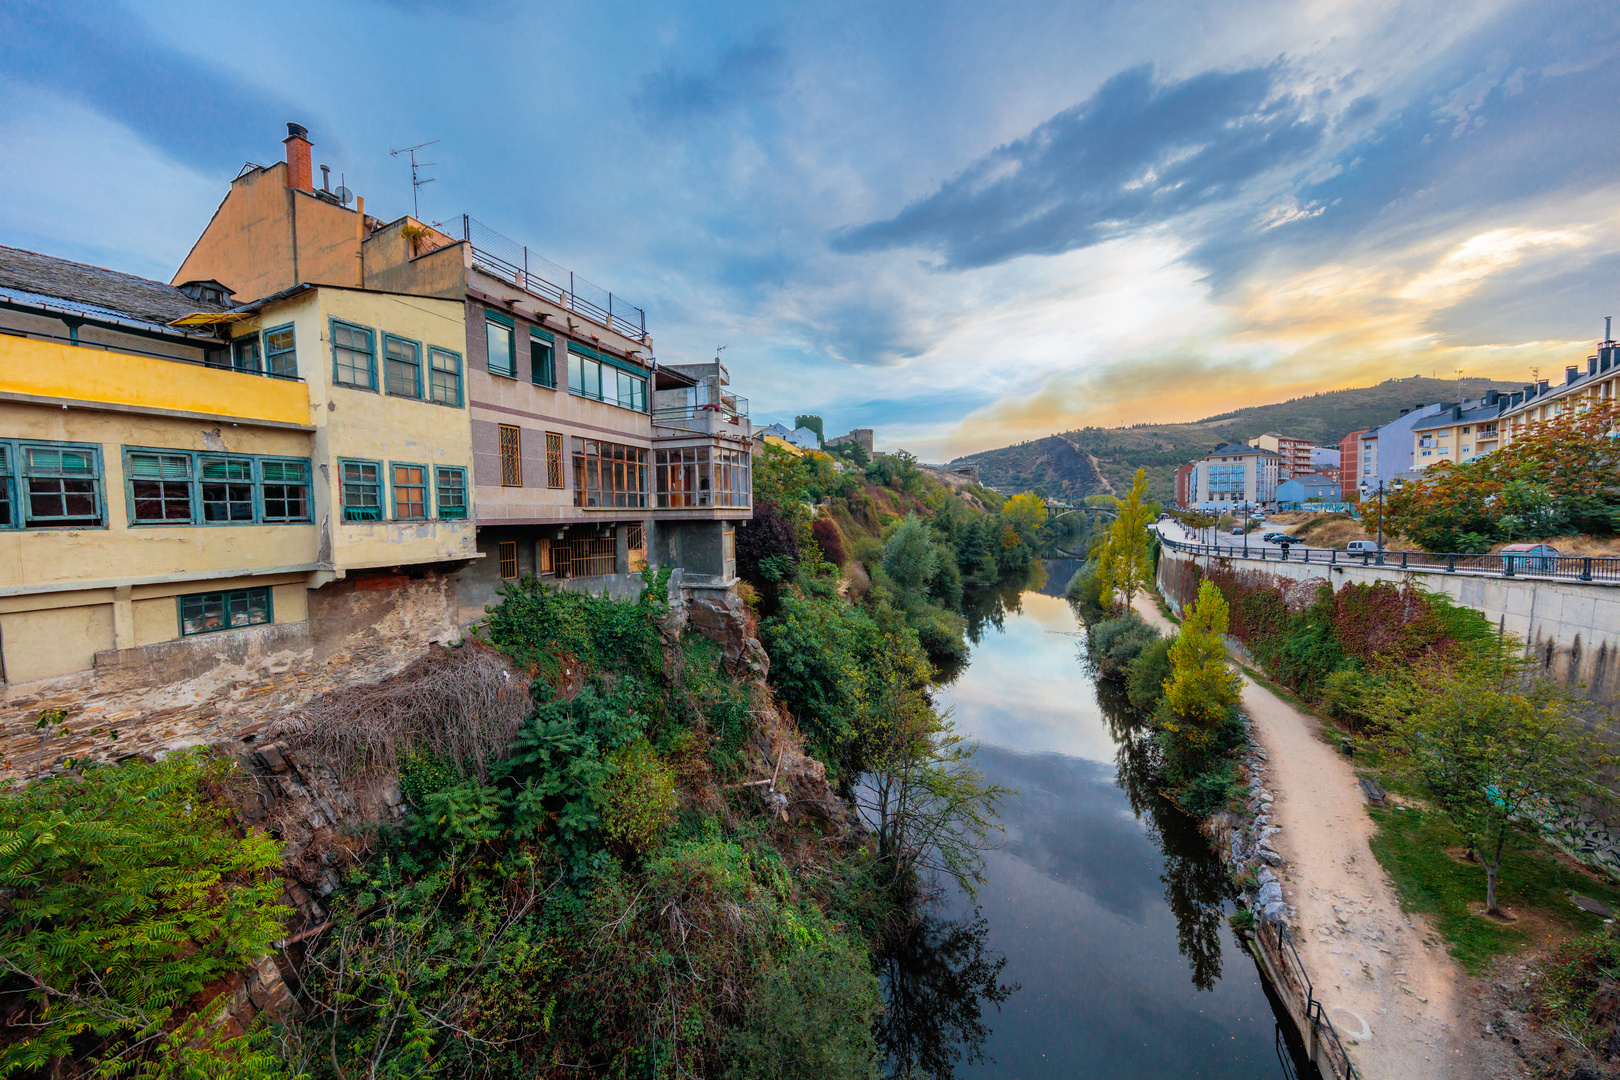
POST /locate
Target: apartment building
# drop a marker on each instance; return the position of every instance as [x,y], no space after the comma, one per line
[1459,433]
[1233,476]
[176,473]
[1595,381]
[1293,455]
[573,475]
[1185,485]
[1350,465]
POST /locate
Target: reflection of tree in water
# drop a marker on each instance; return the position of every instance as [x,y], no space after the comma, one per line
[991,604]
[935,981]
[1195,882]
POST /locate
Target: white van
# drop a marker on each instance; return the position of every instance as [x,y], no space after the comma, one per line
[1356,547]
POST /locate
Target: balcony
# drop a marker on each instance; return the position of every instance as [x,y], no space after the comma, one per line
[728,416]
[511,261]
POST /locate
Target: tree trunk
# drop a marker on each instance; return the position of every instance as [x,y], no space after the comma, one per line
[1493,870]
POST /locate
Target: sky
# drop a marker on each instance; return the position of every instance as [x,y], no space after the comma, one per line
[961,224]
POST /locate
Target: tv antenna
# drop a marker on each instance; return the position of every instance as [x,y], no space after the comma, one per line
[416,185]
[718,351]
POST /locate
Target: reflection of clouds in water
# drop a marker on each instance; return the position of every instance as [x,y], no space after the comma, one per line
[1027,689]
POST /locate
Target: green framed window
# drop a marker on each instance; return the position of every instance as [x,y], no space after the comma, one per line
[402,367]
[444,376]
[354,356]
[207,613]
[500,335]
[584,374]
[8,489]
[632,389]
[61,485]
[450,491]
[543,358]
[280,354]
[284,483]
[361,487]
[410,491]
[227,490]
[159,488]
[245,354]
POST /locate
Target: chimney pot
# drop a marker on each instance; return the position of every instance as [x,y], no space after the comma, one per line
[299,176]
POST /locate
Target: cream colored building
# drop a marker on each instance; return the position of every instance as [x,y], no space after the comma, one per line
[1459,433]
[1596,380]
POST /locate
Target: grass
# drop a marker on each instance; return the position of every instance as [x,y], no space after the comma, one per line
[1411,845]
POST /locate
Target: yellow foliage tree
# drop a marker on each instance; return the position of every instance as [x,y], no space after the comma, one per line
[1025,512]
[1202,687]
[1125,563]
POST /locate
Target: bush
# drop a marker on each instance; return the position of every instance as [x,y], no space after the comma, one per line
[1115,643]
[829,540]
[1084,591]
[766,537]
[1144,683]
[813,1019]
[639,799]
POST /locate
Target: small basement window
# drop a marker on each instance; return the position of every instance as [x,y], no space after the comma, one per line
[508,557]
[204,613]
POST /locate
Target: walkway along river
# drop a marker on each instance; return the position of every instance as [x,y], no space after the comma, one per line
[1105,901]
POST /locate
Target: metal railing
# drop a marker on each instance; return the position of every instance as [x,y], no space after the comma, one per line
[216,344]
[1590,569]
[1324,1041]
[514,262]
[732,408]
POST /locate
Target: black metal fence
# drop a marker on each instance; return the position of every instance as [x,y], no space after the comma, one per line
[1603,570]
[511,261]
[1323,1044]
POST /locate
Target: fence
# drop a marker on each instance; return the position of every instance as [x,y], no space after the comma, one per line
[1602,570]
[511,261]
[586,558]
[1322,1042]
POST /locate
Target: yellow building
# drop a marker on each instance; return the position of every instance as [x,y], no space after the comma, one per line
[163,483]
[1596,380]
[1460,433]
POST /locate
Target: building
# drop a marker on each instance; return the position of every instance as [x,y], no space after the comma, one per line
[174,468]
[1185,485]
[1234,476]
[1318,487]
[1386,451]
[1457,434]
[1350,465]
[861,436]
[1325,461]
[802,438]
[584,446]
[1595,381]
[1293,455]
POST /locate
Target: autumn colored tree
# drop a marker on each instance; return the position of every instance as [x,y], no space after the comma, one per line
[1561,475]
[1202,689]
[1025,512]
[1126,560]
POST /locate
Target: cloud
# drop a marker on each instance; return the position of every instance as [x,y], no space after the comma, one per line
[97,53]
[746,73]
[1137,153]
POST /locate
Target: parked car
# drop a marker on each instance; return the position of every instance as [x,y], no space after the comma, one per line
[1237,530]
[1279,538]
[1357,547]
[1538,557]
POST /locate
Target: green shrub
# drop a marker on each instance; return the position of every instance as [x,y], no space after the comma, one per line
[812,1020]
[1144,683]
[1084,591]
[1115,643]
[639,799]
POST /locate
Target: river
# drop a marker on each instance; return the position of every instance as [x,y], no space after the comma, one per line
[1102,923]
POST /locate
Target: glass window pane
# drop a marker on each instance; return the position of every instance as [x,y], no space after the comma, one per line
[498,340]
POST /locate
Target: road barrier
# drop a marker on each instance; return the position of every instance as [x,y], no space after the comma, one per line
[1586,569]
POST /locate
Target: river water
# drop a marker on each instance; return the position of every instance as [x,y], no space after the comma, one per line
[1104,907]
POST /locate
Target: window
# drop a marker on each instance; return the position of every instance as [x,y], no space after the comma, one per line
[280,358]
[450,488]
[444,377]
[511,457]
[554,460]
[543,553]
[353,356]
[702,476]
[227,489]
[728,546]
[245,354]
[584,373]
[402,367]
[160,489]
[609,474]
[632,391]
[410,492]
[507,550]
[542,358]
[7,520]
[285,486]
[204,613]
[61,485]
[502,344]
[362,493]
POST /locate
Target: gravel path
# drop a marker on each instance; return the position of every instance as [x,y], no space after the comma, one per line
[1383,975]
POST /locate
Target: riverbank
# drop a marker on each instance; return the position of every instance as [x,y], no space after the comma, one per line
[1383,975]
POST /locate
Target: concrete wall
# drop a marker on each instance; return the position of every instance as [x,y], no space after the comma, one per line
[1573,630]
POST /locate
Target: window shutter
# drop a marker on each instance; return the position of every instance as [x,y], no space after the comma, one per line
[156,466]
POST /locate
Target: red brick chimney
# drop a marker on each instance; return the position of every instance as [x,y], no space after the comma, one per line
[298,171]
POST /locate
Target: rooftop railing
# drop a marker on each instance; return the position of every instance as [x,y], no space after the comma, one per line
[514,262]
[730,409]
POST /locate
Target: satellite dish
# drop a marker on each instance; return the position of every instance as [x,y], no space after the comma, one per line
[344,195]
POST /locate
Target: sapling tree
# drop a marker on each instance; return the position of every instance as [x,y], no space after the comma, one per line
[1126,561]
[1490,744]
[1202,688]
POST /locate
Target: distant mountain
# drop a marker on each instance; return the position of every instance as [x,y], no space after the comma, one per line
[1074,464]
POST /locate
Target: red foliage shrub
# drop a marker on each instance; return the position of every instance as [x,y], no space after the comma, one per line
[829,540]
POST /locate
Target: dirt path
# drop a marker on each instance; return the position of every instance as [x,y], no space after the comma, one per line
[1383,975]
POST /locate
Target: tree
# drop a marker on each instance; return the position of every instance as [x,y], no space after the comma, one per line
[910,557]
[1127,564]
[1026,513]
[1202,689]
[1489,743]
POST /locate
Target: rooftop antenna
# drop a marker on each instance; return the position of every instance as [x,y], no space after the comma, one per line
[718,351]
[416,185]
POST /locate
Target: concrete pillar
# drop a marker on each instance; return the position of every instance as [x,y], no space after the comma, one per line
[621,548]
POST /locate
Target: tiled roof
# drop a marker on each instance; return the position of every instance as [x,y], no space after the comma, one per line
[95,291]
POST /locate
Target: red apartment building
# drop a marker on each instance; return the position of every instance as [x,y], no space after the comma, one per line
[1350,464]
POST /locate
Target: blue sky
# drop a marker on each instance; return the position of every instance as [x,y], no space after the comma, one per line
[962,224]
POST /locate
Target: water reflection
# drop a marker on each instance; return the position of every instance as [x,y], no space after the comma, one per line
[937,982]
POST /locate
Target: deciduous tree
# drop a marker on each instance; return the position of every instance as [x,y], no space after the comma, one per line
[1202,688]
[1126,563]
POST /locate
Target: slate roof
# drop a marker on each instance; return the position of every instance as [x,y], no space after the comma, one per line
[1238,450]
[31,278]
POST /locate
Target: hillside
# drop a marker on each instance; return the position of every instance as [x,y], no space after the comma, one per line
[1061,465]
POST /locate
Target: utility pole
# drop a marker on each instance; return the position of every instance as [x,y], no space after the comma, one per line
[1380,523]
[416,185]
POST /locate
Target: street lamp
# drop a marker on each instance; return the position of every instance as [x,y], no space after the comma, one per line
[1380,523]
